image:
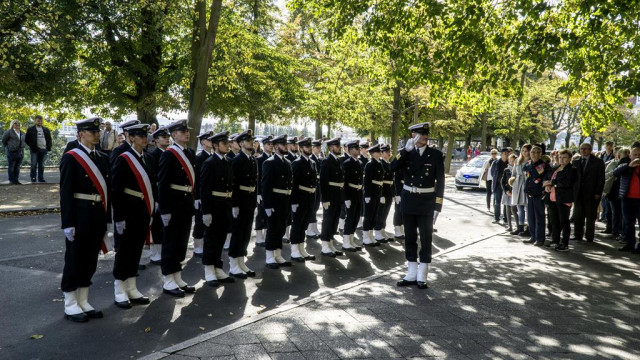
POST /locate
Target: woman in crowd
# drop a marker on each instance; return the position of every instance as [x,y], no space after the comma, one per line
[536,172]
[519,198]
[611,190]
[507,190]
[561,190]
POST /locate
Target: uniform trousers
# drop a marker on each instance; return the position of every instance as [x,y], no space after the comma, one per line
[313,214]
[277,222]
[176,239]
[300,218]
[216,234]
[383,213]
[131,243]
[330,218]
[241,234]
[157,229]
[397,215]
[369,213]
[80,260]
[261,218]
[424,224]
[198,226]
[353,214]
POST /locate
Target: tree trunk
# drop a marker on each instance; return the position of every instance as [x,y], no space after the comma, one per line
[395,120]
[416,110]
[252,122]
[483,134]
[552,141]
[372,134]
[467,142]
[205,32]
[567,139]
[440,142]
[318,129]
[451,143]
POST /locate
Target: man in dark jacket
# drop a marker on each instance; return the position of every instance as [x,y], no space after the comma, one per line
[39,141]
[261,217]
[13,142]
[629,175]
[591,182]
[303,197]
[497,169]
[201,157]
[332,196]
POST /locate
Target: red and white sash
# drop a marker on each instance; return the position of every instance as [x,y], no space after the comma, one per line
[186,164]
[143,180]
[96,177]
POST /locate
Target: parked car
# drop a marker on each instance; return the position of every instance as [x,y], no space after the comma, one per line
[470,175]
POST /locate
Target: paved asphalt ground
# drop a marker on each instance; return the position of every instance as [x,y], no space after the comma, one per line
[490,297]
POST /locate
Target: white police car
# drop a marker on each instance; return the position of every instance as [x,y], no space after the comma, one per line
[471,174]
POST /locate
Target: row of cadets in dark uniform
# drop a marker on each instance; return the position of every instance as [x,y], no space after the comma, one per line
[162,139]
[176,202]
[244,199]
[373,197]
[352,186]
[276,190]
[317,156]
[133,190]
[234,149]
[216,191]
[332,196]
[198,226]
[303,197]
[421,200]
[364,159]
[261,217]
[85,209]
[343,210]
[398,182]
[293,152]
[388,191]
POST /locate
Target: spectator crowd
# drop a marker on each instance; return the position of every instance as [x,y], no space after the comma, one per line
[543,197]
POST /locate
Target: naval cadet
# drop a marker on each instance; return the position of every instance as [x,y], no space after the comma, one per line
[352,196]
[303,198]
[276,190]
[198,226]
[175,198]
[293,152]
[380,234]
[133,190]
[317,156]
[398,182]
[343,210]
[234,149]
[373,196]
[216,191]
[364,145]
[245,181]
[162,139]
[421,200]
[85,209]
[261,217]
[332,197]
[126,144]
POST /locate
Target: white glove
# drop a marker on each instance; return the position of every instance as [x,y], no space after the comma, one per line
[70,233]
[165,219]
[120,226]
[347,203]
[157,208]
[367,199]
[294,207]
[325,205]
[235,212]
[410,145]
[206,219]
[435,216]
[383,200]
[196,204]
[108,241]
[398,198]
[259,199]
[268,211]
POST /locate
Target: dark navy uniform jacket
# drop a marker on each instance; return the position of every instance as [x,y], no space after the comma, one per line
[426,171]
[216,175]
[126,206]
[352,175]
[291,157]
[276,173]
[373,171]
[388,188]
[331,171]
[363,161]
[245,173]
[200,159]
[117,151]
[86,216]
[305,174]
[261,159]
[170,171]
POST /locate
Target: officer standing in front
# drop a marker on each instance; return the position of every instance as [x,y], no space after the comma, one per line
[276,191]
[373,196]
[261,217]
[352,196]
[162,139]
[421,200]
[133,192]
[332,195]
[245,181]
[85,209]
[198,226]
[303,197]
[216,191]
[175,199]
[317,156]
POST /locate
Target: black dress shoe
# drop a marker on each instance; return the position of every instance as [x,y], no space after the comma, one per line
[213,283]
[390,239]
[338,253]
[377,243]
[404,282]
[369,245]
[143,300]
[298,259]
[239,276]
[358,248]
[198,255]
[123,304]
[529,241]
[251,273]
[80,318]
[94,314]
[188,289]
[330,254]
[285,264]
[349,249]
[142,267]
[382,241]
[401,237]
[155,262]
[422,285]
[177,292]
[227,280]
[261,244]
[310,257]
[538,243]
[274,266]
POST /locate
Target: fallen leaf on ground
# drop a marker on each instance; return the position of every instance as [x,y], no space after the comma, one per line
[147,330]
[36,337]
[201,328]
